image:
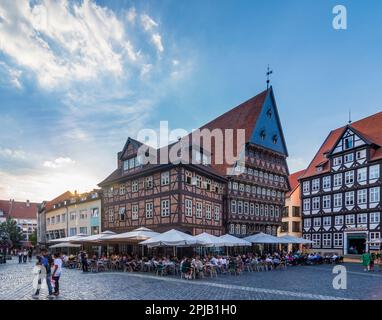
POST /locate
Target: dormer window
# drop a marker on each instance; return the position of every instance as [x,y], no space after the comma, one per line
[348,143]
[262,135]
[275,139]
[269,113]
[125,165]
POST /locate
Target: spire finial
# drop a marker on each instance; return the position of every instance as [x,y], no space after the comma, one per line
[350,117]
[269,72]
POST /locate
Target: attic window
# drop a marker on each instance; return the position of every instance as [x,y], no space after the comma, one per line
[262,135]
[275,139]
[269,113]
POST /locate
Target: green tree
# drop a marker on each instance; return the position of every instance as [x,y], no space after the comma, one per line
[11,230]
[33,238]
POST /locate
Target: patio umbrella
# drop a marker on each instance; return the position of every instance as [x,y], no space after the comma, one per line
[209,240]
[65,245]
[94,238]
[172,238]
[68,239]
[135,235]
[292,239]
[231,241]
[263,238]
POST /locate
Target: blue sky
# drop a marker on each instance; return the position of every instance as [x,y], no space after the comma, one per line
[78,77]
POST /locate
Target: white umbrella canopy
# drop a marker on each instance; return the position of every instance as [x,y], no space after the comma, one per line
[94,238]
[263,238]
[172,238]
[69,239]
[138,234]
[65,245]
[292,239]
[210,240]
[231,241]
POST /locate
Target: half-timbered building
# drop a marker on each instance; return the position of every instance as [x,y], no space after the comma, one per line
[341,189]
[241,198]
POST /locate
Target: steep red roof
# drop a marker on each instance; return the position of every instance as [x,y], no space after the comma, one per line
[65,196]
[370,128]
[19,209]
[293,181]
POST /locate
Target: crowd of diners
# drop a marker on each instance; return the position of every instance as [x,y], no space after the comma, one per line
[197,266]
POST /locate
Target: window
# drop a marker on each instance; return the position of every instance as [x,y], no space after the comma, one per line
[257,210]
[188,177]
[337,161]
[349,198]
[241,187]
[338,200]
[277,212]
[339,220]
[243,229]
[315,184]
[362,218]
[374,172]
[199,181]
[266,210]
[58,219]
[237,229]
[84,230]
[327,240]
[316,238]
[83,215]
[261,210]
[217,215]
[296,211]
[232,228]
[317,222]
[374,194]
[316,203]
[165,178]
[95,212]
[350,219]
[126,165]
[131,163]
[199,211]
[326,182]
[338,180]
[134,186]
[374,236]
[326,202]
[348,143]
[233,206]
[63,217]
[296,226]
[134,212]
[248,188]
[361,154]
[306,204]
[246,208]
[235,186]
[149,182]
[111,215]
[327,221]
[252,209]
[284,227]
[208,211]
[72,216]
[338,239]
[271,211]
[188,207]
[375,217]
[122,213]
[349,177]
[165,208]
[362,196]
[362,174]
[208,184]
[307,223]
[149,209]
[122,189]
[72,232]
[53,220]
[240,207]
[349,157]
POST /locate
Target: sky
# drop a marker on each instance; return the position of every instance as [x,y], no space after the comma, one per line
[78,77]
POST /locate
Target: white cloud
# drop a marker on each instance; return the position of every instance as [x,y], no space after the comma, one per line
[146,68]
[61,41]
[131,15]
[59,163]
[175,62]
[147,22]
[11,75]
[157,40]
[12,153]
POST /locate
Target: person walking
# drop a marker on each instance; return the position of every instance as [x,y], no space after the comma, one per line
[366,260]
[84,262]
[25,255]
[20,254]
[30,253]
[46,261]
[56,273]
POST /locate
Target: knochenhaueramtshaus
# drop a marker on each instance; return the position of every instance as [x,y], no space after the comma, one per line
[241,198]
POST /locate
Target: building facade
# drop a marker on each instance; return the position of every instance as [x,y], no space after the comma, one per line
[70,214]
[341,189]
[240,198]
[291,216]
[25,214]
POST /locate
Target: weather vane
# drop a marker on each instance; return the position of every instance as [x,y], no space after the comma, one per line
[269,72]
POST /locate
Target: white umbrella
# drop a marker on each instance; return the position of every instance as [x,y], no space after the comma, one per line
[172,238]
[93,238]
[294,240]
[209,240]
[231,241]
[139,234]
[65,245]
[68,239]
[263,238]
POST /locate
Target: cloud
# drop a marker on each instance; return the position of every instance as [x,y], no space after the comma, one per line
[59,163]
[157,40]
[131,14]
[12,153]
[11,75]
[148,23]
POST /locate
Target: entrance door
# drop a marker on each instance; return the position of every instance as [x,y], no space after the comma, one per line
[356,243]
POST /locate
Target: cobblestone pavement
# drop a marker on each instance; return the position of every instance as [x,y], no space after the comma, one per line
[302,282]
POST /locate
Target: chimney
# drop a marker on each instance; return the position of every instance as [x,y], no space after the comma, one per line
[28,204]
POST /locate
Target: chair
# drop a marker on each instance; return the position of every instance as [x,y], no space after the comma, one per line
[232,268]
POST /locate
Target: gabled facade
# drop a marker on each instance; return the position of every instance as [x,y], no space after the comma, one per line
[207,196]
[341,189]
